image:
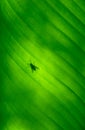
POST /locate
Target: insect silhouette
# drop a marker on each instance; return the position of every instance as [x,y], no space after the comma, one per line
[33,67]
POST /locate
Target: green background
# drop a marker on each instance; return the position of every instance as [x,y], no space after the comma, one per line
[51,35]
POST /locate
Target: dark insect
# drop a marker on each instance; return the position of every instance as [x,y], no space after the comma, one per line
[33,67]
